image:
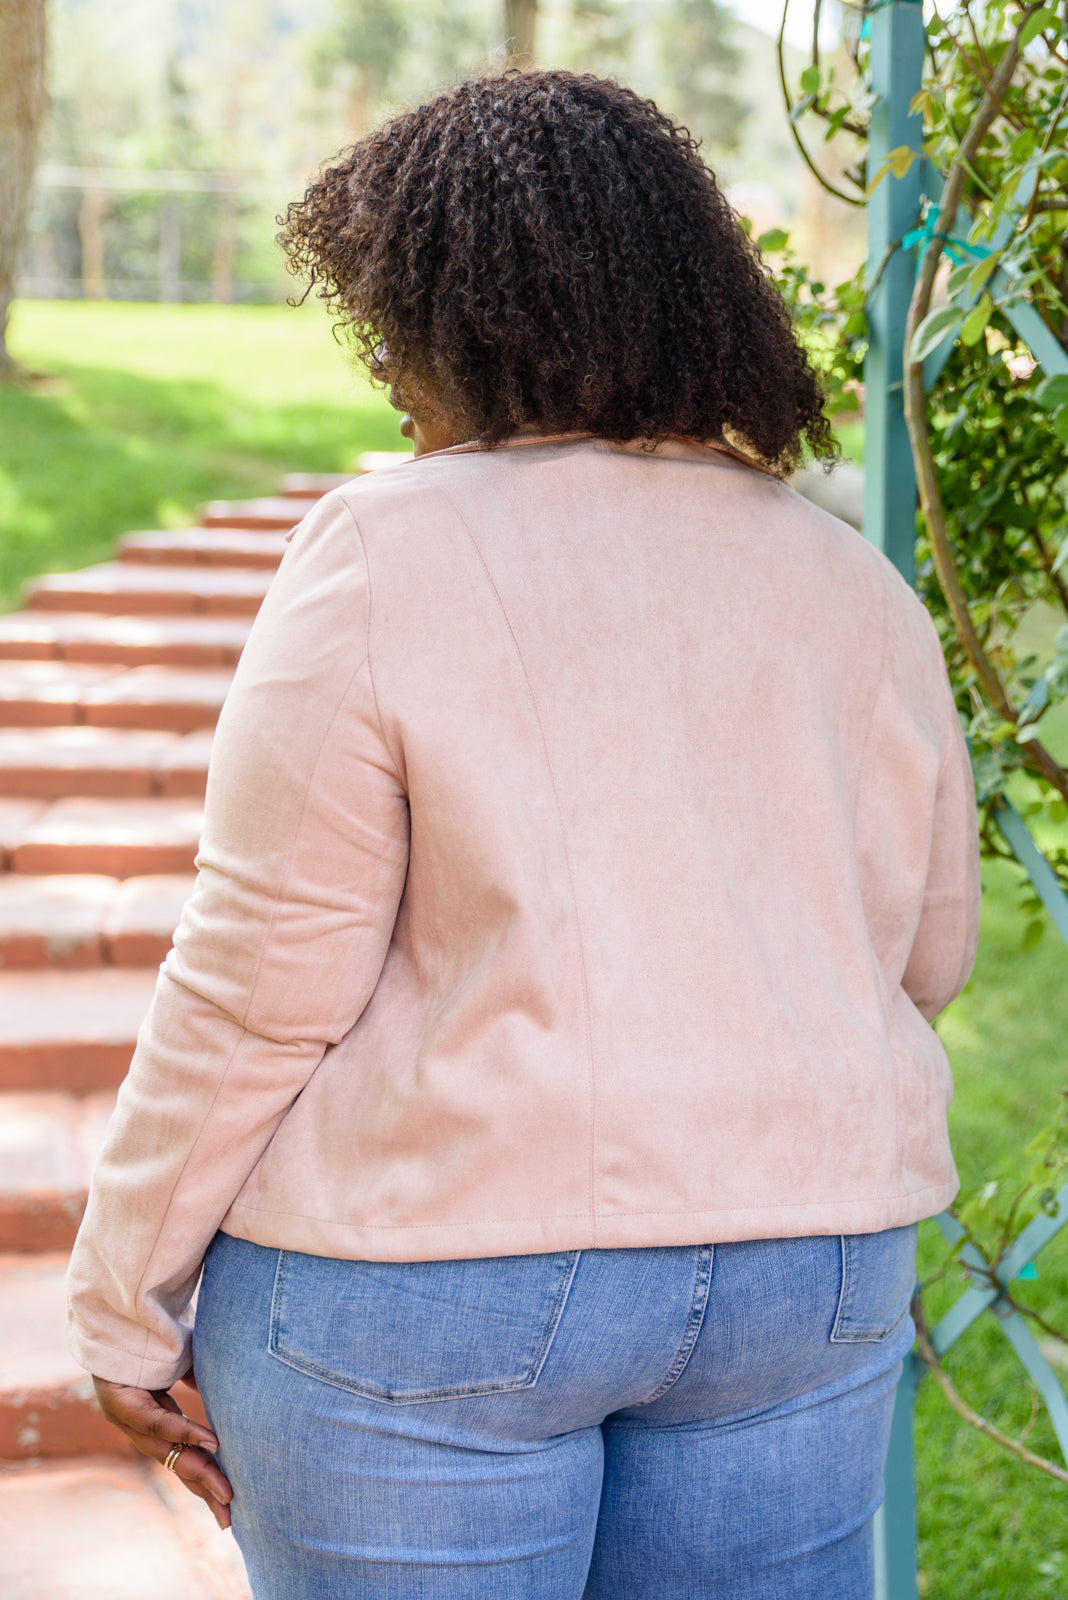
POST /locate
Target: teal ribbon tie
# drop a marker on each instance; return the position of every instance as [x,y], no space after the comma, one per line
[958,250]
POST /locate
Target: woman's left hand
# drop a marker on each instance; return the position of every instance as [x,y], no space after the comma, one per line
[154,1423]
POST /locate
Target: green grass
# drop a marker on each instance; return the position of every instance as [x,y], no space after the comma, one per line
[991,1528]
[150,410]
[157,408]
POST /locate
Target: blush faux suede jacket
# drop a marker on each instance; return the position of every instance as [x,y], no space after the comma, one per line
[589,837]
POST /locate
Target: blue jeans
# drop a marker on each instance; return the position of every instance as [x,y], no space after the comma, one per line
[608,1424]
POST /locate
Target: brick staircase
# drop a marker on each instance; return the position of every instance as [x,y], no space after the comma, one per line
[111,680]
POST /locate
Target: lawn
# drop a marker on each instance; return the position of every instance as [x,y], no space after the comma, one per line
[151,410]
[990,1528]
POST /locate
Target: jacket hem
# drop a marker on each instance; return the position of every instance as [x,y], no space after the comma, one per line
[519,1236]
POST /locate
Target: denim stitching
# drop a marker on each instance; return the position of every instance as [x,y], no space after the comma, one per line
[841,1332]
[886,1377]
[422,1396]
[702,1281]
[843,1290]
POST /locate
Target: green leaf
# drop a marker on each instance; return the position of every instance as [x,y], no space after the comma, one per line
[1052,392]
[898,162]
[773,239]
[982,270]
[1033,933]
[1038,23]
[988,773]
[932,330]
[810,80]
[974,325]
[958,279]
[1060,423]
[1062,557]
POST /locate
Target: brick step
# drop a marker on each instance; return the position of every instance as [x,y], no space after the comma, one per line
[46,693]
[51,762]
[172,641]
[375,460]
[120,838]
[55,693]
[71,1031]
[47,1407]
[205,547]
[50,1141]
[313,485]
[16,816]
[125,587]
[272,513]
[88,919]
[111,1528]
[181,700]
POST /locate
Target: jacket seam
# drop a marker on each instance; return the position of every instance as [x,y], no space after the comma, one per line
[242,1022]
[591,1092]
[367,640]
[402,1227]
[610,1217]
[878,689]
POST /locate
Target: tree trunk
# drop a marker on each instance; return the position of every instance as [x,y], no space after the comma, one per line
[520,24]
[22,103]
[170,250]
[91,232]
[222,261]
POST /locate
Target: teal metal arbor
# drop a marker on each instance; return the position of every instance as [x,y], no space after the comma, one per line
[894,211]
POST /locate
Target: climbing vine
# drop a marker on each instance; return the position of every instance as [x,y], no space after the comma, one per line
[989,437]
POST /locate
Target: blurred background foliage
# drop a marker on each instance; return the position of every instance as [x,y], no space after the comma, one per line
[178,129]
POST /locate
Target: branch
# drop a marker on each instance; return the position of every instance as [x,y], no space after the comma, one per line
[938,1372]
[931,503]
[1046,142]
[979,69]
[1029,1311]
[1047,560]
[825,183]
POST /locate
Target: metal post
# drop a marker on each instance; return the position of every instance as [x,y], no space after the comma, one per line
[897,45]
[896,66]
[895,1522]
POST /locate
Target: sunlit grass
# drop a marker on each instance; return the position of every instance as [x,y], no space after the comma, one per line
[147,411]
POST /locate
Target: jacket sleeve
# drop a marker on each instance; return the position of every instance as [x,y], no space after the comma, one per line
[301,868]
[944,945]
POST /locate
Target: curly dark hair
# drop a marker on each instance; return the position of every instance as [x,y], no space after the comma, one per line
[547,248]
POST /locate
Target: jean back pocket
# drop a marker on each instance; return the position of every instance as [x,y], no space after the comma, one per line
[878,1278]
[419,1330]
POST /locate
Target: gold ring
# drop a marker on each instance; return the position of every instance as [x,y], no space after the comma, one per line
[172,1456]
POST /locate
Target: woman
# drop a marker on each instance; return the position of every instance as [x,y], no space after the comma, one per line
[543,1062]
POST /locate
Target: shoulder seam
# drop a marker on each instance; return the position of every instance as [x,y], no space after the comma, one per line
[367,640]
